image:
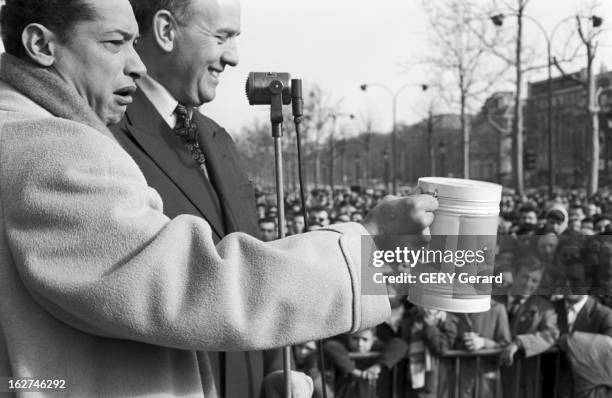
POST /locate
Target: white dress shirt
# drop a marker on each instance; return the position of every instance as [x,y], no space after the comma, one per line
[160,97]
[572,312]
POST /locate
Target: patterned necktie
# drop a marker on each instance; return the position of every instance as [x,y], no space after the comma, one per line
[188,131]
[514,308]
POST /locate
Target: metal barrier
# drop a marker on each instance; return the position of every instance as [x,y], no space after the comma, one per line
[455,359]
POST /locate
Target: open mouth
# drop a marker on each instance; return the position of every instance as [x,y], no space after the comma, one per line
[124,95]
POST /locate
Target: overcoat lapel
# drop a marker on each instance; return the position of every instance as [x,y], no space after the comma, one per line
[168,151]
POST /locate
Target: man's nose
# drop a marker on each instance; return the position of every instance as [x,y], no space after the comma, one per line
[134,67]
[230,53]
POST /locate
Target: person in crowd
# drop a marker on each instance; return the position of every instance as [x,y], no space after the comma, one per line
[602,222]
[297,224]
[600,265]
[587,227]
[528,221]
[342,217]
[546,246]
[576,212]
[267,230]
[585,336]
[430,334]
[533,327]
[358,367]
[556,220]
[477,331]
[591,210]
[117,295]
[319,216]
[306,356]
[356,216]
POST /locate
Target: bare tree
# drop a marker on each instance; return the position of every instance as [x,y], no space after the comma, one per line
[368,120]
[466,71]
[588,30]
[319,109]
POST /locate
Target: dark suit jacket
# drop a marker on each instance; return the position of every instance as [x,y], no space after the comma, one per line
[227,201]
[592,318]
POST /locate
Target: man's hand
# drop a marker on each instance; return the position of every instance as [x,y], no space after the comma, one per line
[429,319]
[358,373]
[395,215]
[372,372]
[507,356]
[473,342]
[274,385]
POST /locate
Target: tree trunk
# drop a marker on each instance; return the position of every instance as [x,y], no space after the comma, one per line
[331,161]
[465,129]
[517,120]
[593,112]
[430,143]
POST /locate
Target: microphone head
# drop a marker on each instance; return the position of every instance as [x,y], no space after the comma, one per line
[260,86]
[297,103]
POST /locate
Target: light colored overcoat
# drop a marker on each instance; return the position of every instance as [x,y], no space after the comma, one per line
[98,287]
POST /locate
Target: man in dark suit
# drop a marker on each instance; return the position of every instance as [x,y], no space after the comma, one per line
[185,45]
[577,312]
[533,326]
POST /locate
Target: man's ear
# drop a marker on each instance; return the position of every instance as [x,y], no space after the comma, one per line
[164,30]
[39,44]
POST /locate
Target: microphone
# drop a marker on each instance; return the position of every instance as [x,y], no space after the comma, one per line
[262,86]
[297,103]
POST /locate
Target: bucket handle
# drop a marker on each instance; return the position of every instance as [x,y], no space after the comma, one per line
[433,193]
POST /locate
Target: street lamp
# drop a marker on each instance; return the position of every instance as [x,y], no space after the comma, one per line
[394,96]
[334,117]
[596,21]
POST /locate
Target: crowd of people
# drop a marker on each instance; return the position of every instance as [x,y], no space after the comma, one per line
[555,255]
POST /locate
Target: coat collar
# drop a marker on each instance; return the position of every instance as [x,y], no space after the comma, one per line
[49,91]
[165,149]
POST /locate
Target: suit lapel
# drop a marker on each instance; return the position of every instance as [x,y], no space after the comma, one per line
[583,318]
[228,178]
[562,316]
[168,151]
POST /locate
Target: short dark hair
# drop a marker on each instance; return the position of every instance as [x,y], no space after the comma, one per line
[529,262]
[528,208]
[145,9]
[59,16]
[267,220]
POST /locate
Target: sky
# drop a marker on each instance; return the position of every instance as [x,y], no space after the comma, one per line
[340,44]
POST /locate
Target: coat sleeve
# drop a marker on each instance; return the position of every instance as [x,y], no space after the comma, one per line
[338,356]
[392,352]
[545,334]
[93,247]
[440,338]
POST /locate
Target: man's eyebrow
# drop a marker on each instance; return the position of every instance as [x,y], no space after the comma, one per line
[228,32]
[126,34]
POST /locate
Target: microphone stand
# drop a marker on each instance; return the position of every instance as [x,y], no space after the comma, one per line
[276,118]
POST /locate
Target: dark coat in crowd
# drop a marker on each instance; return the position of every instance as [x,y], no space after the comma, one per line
[592,318]
[493,326]
[534,327]
[438,339]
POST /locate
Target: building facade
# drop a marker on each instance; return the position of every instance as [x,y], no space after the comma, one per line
[571,126]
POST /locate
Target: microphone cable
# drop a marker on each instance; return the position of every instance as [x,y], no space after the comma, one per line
[297,107]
